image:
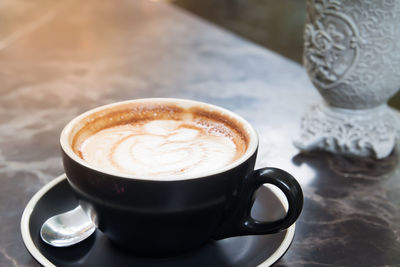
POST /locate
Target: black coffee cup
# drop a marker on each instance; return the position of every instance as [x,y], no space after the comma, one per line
[163,217]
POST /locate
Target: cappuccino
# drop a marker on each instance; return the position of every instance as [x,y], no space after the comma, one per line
[157,141]
[161,176]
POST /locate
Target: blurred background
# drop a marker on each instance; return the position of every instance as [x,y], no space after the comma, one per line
[277,25]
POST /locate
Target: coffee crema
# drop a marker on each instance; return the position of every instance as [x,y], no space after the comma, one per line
[160,141]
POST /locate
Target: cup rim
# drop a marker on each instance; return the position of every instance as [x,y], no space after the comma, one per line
[251,149]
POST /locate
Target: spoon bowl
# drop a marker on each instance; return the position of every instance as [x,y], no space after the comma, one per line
[67,229]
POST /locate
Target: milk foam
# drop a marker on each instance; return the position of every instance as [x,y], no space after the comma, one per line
[159,148]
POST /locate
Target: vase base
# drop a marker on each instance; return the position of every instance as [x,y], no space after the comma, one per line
[364,133]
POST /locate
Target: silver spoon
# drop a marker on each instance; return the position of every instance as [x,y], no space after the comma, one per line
[67,229]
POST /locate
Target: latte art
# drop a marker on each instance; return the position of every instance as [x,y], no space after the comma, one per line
[159,148]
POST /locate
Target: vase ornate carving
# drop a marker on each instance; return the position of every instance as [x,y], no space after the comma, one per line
[352,56]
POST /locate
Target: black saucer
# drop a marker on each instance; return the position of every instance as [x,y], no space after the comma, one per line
[56,197]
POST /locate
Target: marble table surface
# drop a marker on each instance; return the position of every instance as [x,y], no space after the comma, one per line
[60,58]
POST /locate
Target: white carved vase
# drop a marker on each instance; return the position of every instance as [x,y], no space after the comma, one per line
[352,56]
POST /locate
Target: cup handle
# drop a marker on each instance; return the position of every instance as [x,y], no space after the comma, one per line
[241,222]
